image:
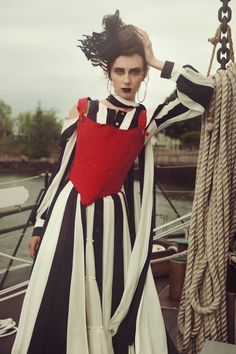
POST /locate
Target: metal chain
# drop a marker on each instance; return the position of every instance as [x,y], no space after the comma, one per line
[224,16]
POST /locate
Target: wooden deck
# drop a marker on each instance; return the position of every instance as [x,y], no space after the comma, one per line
[12,307]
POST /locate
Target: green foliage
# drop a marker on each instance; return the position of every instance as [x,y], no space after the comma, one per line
[179,129]
[6,122]
[11,146]
[192,137]
[39,132]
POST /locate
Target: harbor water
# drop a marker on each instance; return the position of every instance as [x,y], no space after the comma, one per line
[179,196]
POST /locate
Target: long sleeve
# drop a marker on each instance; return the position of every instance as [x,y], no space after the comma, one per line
[60,172]
[193,94]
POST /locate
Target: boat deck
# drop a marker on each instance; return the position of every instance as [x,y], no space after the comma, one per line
[12,307]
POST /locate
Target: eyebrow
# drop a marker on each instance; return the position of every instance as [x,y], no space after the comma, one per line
[121,68]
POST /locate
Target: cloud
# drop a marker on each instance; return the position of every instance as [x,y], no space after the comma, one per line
[40,60]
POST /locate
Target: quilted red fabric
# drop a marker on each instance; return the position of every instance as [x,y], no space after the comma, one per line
[103,156]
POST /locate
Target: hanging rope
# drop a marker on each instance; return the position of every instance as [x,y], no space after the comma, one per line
[217,39]
[223,36]
[202,312]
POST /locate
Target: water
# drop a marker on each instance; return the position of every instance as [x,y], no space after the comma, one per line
[8,241]
[182,201]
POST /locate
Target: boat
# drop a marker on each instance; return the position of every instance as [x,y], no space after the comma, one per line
[168,263]
[15,276]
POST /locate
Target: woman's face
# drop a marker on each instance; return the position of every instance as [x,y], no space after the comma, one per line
[127,73]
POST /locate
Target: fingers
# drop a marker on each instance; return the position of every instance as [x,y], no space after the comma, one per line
[33,245]
[143,35]
[147,44]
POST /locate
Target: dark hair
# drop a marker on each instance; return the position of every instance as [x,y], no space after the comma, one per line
[126,41]
[117,39]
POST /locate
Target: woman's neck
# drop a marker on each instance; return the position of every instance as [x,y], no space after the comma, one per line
[122,102]
[110,105]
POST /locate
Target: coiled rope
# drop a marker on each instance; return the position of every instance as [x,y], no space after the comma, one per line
[7,327]
[202,313]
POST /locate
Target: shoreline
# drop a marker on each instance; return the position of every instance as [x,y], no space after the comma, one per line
[34,166]
[171,165]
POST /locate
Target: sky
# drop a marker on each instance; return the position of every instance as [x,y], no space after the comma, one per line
[40,61]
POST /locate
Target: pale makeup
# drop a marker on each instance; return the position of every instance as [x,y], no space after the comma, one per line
[127,74]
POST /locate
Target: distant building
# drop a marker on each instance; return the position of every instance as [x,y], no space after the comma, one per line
[165,142]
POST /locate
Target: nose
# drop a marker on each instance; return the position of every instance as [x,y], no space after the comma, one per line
[127,79]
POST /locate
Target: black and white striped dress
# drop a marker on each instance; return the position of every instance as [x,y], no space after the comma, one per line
[91,290]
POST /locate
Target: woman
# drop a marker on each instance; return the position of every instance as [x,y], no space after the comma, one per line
[91,289]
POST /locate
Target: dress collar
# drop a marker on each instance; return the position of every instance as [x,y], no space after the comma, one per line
[121,102]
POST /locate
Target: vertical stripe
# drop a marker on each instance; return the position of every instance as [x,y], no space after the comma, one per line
[129,193]
[77,341]
[48,215]
[52,323]
[111,115]
[39,277]
[141,162]
[141,247]
[118,270]
[98,242]
[127,248]
[84,226]
[134,121]
[150,330]
[119,347]
[127,119]
[127,327]
[101,114]
[108,256]
[93,108]
[51,191]
[68,167]
[96,334]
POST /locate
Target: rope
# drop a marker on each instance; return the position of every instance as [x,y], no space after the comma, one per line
[215,40]
[22,180]
[14,287]
[175,166]
[7,327]
[202,314]
[13,295]
[186,216]
[20,266]
[177,191]
[172,230]
[168,258]
[15,258]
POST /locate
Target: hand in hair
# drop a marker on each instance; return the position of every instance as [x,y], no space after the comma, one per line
[149,54]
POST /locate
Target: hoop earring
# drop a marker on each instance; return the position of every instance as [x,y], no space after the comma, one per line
[145,91]
[109,86]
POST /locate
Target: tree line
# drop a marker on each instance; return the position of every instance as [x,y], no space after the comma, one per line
[33,134]
[36,134]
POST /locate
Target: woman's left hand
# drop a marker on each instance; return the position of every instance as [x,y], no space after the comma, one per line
[149,54]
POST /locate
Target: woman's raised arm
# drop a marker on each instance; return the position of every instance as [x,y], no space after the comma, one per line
[193,90]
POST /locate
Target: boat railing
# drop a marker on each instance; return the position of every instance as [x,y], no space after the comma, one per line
[181,223]
[23,227]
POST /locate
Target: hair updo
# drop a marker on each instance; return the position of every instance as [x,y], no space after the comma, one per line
[117,39]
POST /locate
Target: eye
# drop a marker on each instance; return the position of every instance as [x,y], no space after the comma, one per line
[136,71]
[119,71]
